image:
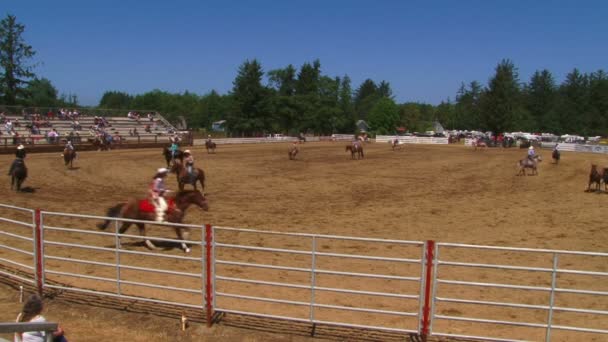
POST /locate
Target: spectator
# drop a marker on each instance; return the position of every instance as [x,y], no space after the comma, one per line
[31,312]
[135,132]
[52,136]
[8,126]
[147,129]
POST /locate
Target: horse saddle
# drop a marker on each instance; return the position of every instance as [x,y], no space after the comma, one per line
[146,206]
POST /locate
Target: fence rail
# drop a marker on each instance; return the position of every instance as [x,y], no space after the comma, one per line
[411,287]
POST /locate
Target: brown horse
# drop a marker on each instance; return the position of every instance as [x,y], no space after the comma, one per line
[179,155]
[293,151]
[556,156]
[68,157]
[355,150]
[142,209]
[594,177]
[99,143]
[210,146]
[395,144]
[183,177]
[18,173]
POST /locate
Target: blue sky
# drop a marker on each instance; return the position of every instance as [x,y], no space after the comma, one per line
[425,49]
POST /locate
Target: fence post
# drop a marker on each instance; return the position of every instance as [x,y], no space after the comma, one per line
[38,251]
[208,276]
[426,310]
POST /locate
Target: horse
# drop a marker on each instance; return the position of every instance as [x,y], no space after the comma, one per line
[68,157]
[301,139]
[293,151]
[526,163]
[210,145]
[555,155]
[169,158]
[595,177]
[395,144]
[142,209]
[479,144]
[18,174]
[605,178]
[100,144]
[183,177]
[355,149]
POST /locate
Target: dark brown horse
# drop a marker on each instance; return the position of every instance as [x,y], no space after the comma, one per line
[18,173]
[183,177]
[556,156]
[293,151]
[594,177]
[142,209]
[68,157]
[179,155]
[99,143]
[210,146]
[355,150]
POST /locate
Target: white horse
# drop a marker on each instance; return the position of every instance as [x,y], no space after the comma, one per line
[526,163]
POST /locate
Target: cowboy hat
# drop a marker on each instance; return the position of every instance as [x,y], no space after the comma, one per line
[531,148]
[162,170]
[187,151]
[20,147]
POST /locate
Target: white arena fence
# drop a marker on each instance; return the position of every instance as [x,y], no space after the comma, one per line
[425,288]
[411,139]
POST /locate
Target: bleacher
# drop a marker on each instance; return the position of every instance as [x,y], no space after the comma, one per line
[160,130]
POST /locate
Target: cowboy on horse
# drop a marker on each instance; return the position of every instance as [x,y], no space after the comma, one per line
[189,161]
[157,192]
[20,156]
[531,153]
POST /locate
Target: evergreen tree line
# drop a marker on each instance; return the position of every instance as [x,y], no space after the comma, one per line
[292,100]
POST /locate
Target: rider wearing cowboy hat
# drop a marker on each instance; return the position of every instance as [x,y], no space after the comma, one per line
[157,192]
[531,152]
[189,161]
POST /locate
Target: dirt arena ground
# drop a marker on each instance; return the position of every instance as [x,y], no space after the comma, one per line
[422,192]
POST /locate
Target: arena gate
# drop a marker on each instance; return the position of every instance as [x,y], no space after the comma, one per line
[423,288]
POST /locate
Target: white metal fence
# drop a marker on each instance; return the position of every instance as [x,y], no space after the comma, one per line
[412,139]
[443,289]
[302,282]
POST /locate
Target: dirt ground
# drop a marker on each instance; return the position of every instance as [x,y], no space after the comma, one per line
[418,193]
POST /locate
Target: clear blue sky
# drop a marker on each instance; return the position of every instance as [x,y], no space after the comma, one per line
[425,49]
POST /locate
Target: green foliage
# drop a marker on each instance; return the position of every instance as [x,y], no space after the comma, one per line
[116,99]
[14,53]
[41,93]
[384,116]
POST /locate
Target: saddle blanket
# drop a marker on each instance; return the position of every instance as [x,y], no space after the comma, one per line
[145,206]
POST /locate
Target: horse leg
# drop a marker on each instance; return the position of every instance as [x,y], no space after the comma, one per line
[183,234]
[142,232]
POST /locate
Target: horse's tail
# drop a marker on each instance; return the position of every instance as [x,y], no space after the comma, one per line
[112,212]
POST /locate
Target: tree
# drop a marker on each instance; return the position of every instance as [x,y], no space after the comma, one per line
[384,90]
[574,103]
[116,99]
[308,78]
[540,101]
[14,53]
[501,100]
[384,116]
[365,98]
[250,97]
[283,80]
[41,93]
[346,121]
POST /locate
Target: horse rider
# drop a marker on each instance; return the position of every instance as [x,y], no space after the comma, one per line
[174,147]
[531,153]
[189,162]
[157,192]
[70,147]
[208,139]
[20,156]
